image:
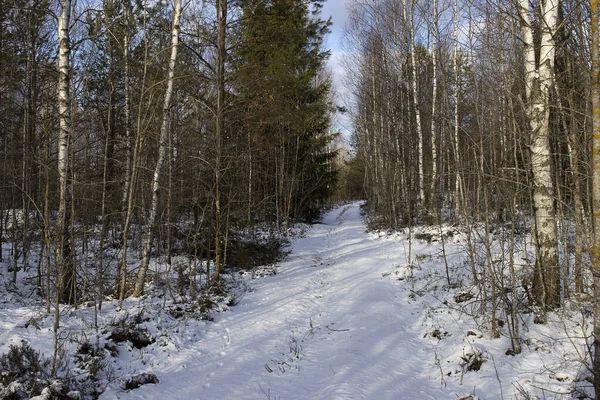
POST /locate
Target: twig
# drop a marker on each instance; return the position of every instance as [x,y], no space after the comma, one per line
[497,376]
[336,330]
[439,365]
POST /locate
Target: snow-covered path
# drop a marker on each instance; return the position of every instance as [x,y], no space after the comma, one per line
[329,325]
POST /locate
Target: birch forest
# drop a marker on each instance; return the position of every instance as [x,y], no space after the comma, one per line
[485,114]
[158,149]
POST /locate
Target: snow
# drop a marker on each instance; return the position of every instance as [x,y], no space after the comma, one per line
[327,326]
[347,316]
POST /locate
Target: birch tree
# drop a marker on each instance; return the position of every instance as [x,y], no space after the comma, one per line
[162,151]
[457,161]
[539,76]
[62,246]
[410,20]
[434,106]
[595,250]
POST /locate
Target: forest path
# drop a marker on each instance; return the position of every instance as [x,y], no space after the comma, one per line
[329,325]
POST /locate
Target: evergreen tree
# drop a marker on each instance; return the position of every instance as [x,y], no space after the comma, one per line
[278,75]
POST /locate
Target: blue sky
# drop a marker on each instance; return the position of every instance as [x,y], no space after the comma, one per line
[337,10]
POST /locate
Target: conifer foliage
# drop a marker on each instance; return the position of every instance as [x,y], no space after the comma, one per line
[191,153]
[279,80]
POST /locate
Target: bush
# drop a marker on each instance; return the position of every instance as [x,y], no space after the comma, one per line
[136,381]
[250,254]
[23,372]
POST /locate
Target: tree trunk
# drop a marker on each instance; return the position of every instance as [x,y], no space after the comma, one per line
[595,248]
[457,161]
[433,196]
[162,150]
[128,152]
[574,162]
[62,246]
[538,81]
[220,127]
[415,97]
[134,155]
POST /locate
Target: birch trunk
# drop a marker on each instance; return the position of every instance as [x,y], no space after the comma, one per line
[434,107]
[538,80]
[128,152]
[162,151]
[457,161]
[62,247]
[415,98]
[595,250]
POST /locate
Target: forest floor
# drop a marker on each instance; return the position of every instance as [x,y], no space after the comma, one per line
[347,316]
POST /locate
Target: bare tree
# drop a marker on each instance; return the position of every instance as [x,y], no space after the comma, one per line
[595,248]
[64,262]
[434,104]
[162,151]
[457,159]
[410,21]
[220,127]
[539,77]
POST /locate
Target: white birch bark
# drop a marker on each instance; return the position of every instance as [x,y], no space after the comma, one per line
[457,160]
[127,181]
[66,284]
[162,151]
[538,80]
[434,101]
[415,91]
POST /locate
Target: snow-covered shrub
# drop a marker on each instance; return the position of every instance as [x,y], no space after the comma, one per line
[23,372]
[248,253]
[465,359]
[128,329]
[403,272]
[90,359]
[136,381]
[92,371]
[139,337]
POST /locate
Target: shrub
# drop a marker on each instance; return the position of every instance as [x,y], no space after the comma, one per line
[248,254]
[23,372]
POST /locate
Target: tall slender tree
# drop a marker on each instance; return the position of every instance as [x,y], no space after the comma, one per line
[62,237]
[539,78]
[162,151]
[219,127]
[595,248]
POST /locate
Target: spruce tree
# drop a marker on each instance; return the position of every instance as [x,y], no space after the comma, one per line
[278,76]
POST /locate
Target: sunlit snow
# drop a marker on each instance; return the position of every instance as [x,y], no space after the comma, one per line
[347,316]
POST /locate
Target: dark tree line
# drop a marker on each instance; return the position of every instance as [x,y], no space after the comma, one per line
[134,129]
